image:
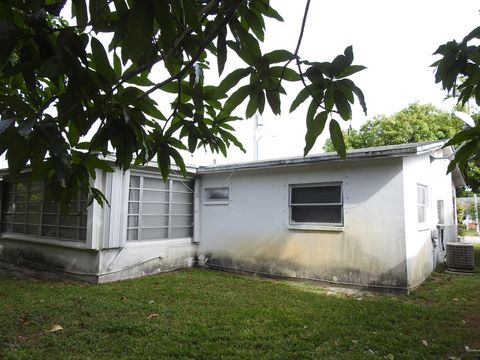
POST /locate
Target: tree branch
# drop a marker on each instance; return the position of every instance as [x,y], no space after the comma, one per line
[177,105]
[299,42]
[204,13]
[319,103]
[194,59]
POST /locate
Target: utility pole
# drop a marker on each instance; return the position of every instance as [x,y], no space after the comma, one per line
[257,135]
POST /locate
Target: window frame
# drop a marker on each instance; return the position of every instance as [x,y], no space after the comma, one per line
[38,237]
[169,190]
[208,201]
[334,226]
[423,206]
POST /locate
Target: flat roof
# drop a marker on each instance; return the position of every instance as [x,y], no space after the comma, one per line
[389,151]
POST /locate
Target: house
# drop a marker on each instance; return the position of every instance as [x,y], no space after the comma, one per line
[379,219]
[470,217]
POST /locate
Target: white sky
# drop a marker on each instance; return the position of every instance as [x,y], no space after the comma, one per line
[395,40]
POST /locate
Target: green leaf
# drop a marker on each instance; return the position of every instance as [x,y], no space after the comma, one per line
[301,97]
[252,106]
[312,109]
[117,65]
[163,161]
[267,10]
[79,11]
[261,102]
[192,140]
[273,98]
[352,69]
[233,79]
[178,160]
[166,24]
[348,52]
[256,24]
[94,162]
[315,127]
[345,87]
[342,104]
[17,155]
[461,137]
[140,81]
[221,50]
[139,30]
[120,7]
[329,96]
[278,56]
[342,62]
[72,135]
[230,137]
[315,75]
[288,74]
[337,139]
[253,48]
[356,90]
[191,16]
[100,60]
[98,196]
[236,99]
[99,14]
[339,64]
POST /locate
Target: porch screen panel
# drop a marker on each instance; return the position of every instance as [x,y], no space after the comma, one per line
[26,211]
[159,210]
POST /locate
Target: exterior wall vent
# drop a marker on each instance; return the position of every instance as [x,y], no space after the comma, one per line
[460,257]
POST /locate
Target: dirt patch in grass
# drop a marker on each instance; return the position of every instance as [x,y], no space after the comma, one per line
[8,270]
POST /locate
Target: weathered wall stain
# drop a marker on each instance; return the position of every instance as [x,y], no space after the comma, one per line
[368,250]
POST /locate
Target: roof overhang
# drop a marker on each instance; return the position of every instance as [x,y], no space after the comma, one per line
[391,151]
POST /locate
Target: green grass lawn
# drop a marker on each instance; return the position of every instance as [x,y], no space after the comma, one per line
[199,314]
[470,232]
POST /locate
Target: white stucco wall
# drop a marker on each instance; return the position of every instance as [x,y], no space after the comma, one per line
[252,232]
[423,254]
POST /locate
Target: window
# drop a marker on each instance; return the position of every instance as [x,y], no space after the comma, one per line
[440,212]
[319,204]
[217,195]
[25,211]
[422,203]
[159,210]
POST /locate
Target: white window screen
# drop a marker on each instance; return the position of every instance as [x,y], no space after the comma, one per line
[159,210]
[25,211]
[316,204]
[422,203]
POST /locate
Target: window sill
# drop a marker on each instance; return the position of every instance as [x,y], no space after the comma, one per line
[217,203]
[140,243]
[45,241]
[307,227]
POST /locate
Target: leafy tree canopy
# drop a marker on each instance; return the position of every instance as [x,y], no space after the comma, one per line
[458,71]
[58,81]
[417,122]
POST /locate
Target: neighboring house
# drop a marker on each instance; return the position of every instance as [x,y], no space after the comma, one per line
[378,219]
[469,215]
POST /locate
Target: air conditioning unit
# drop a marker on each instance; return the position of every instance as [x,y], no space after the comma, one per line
[460,257]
